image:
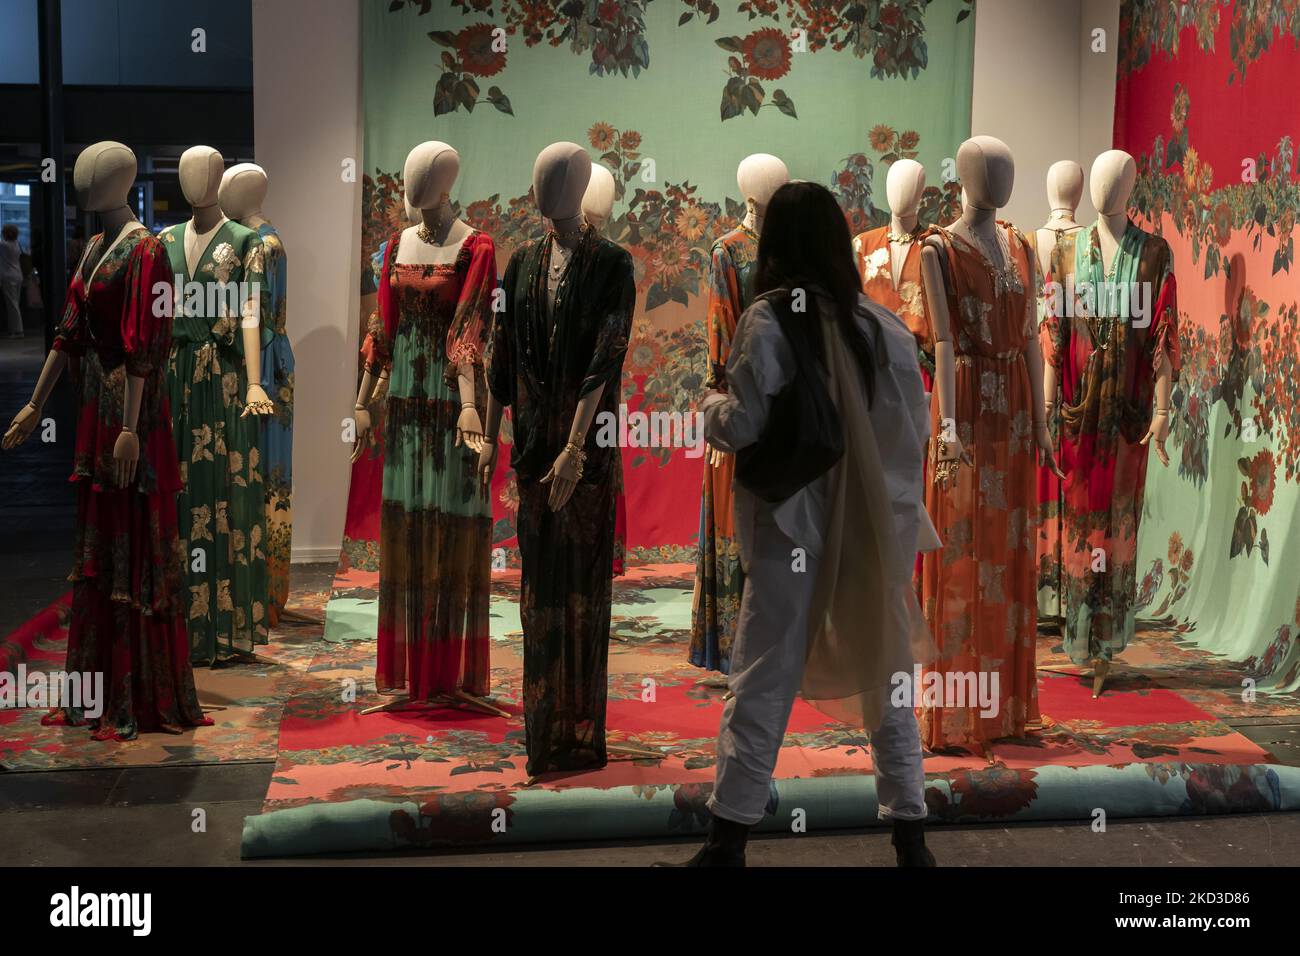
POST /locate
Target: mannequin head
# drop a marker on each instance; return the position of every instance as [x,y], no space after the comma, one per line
[430,172]
[242,190]
[412,214]
[759,176]
[904,186]
[1111,181]
[598,200]
[1065,185]
[560,178]
[200,171]
[987,172]
[103,176]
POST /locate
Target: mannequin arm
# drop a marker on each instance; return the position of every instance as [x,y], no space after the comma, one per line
[1159,429]
[566,471]
[361,410]
[487,456]
[1037,385]
[126,449]
[945,365]
[256,401]
[29,415]
[468,427]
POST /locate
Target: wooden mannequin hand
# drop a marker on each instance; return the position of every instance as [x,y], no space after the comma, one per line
[563,478]
[256,402]
[1046,453]
[126,457]
[1159,431]
[953,451]
[361,436]
[469,429]
[487,463]
[23,425]
[716,457]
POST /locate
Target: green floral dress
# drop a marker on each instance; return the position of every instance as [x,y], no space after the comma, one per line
[222,505]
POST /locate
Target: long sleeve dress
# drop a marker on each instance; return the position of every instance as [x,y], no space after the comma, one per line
[719,578]
[978,591]
[222,504]
[1107,359]
[435,538]
[128,599]
[542,361]
[277,428]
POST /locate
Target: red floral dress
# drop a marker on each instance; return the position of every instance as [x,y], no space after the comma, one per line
[127,611]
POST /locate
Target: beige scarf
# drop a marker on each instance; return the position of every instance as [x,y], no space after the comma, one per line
[865,625]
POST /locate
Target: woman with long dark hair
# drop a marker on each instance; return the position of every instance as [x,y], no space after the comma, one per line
[828,418]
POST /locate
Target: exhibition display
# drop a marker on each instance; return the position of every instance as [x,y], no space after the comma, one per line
[652,525]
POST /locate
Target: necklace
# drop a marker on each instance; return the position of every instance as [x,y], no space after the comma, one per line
[904,238]
[1004,275]
[428,235]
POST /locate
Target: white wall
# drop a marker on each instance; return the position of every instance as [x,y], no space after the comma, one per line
[1040,89]
[306,69]
[1037,86]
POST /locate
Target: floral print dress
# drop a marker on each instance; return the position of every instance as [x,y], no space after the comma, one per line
[978,591]
[277,428]
[1107,359]
[222,506]
[542,360]
[719,579]
[128,600]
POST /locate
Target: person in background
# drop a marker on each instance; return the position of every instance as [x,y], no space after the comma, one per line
[840,627]
[11,279]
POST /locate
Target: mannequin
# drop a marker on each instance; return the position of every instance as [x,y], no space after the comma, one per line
[127,620]
[214,375]
[889,258]
[435,296]
[1114,359]
[980,279]
[241,196]
[1064,190]
[719,577]
[598,200]
[556,358]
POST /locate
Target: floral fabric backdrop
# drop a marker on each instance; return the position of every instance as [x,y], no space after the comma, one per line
[1206,101]
[670,96]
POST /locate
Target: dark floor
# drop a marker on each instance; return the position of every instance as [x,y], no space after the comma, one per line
[146,816]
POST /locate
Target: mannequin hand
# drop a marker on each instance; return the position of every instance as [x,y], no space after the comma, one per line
[256,402]
[126,457]
[487,463]
[361,419]
[950,451]
[1159,431]
[716,457]
[1046,453]
[563,478]
[469,430]
[23,425]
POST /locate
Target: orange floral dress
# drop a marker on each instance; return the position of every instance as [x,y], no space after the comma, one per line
[979,590]
[871,250]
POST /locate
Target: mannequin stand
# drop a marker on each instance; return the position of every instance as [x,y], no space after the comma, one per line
[718,681]
[248,657]
[294,616]
[460,699]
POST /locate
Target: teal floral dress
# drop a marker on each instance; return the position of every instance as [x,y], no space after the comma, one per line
[221,508]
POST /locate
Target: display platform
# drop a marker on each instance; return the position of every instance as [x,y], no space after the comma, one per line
[1155,743]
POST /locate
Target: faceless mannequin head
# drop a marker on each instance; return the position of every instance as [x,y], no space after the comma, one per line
[430,172]
[759,176]
[200,171]
[1111,181]
[598,200]
[412,214]
[1065,185]
[242,191]
[560,178]
[904,186]
[103,176]
[987,172]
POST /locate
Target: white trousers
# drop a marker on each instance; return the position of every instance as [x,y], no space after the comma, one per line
[767,661]
[10,288]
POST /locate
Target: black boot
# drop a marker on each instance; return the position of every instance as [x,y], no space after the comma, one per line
[909,844]
[724,845]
